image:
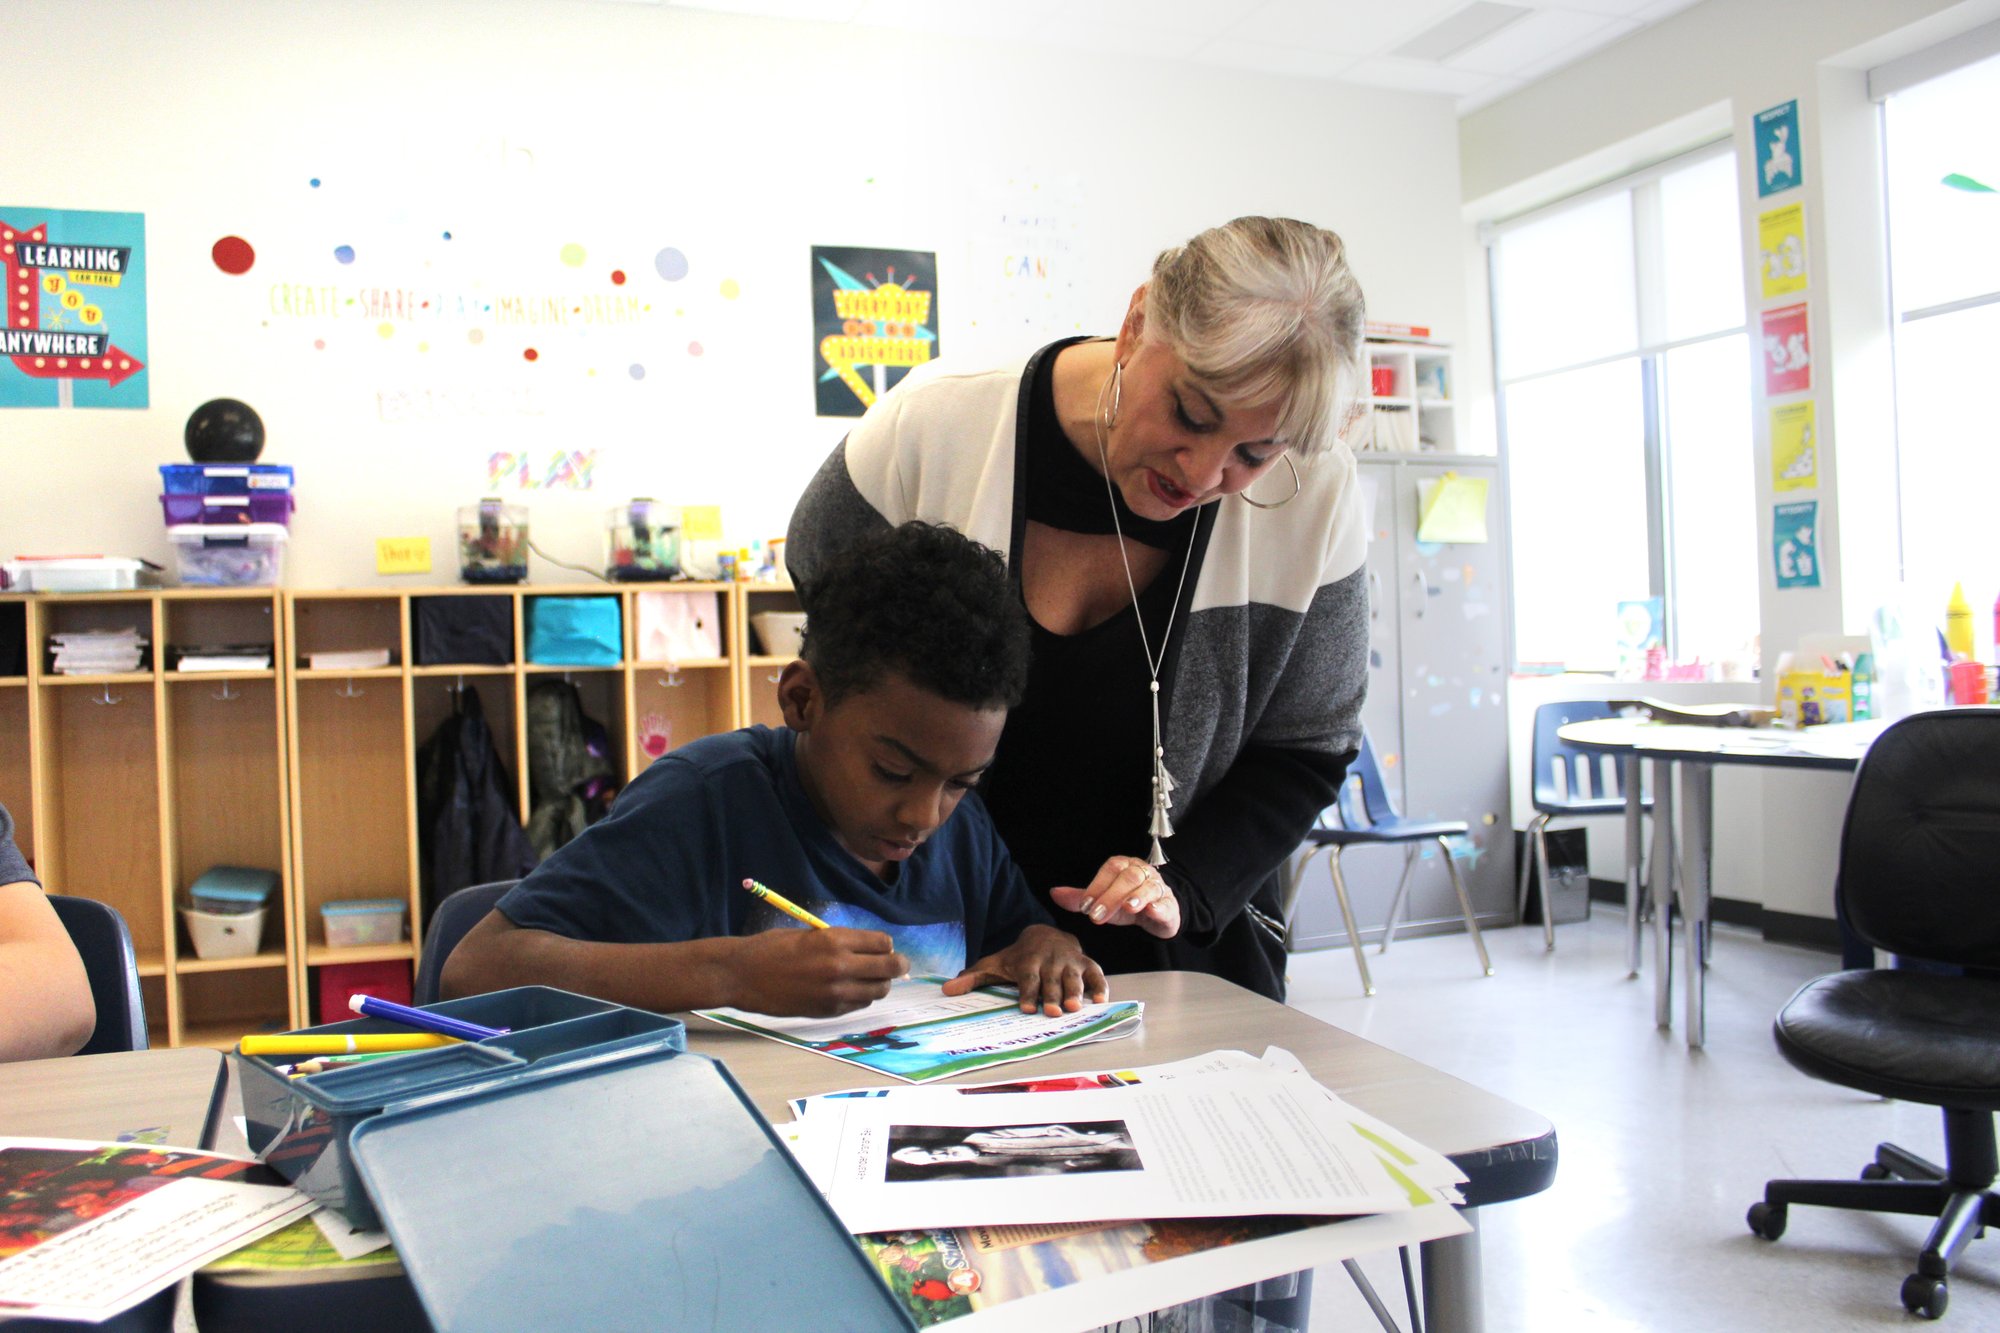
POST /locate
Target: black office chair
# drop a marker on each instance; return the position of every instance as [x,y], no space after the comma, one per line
[1365,813]
[457,913]
[1566,782]
[105,945]
[1916,877]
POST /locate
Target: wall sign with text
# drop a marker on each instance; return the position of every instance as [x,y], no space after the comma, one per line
[875,316]
[75,330]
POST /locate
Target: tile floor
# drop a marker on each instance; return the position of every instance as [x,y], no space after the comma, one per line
[1662,1149]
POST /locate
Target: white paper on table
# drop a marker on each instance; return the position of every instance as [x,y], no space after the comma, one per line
[100,1267]
[1224,1144]
[1213,1062]
[348,1240]
[1427,1168]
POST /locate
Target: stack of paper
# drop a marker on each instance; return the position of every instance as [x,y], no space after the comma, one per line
[1011,1203]
[95,652]
[351,659]
[220,656]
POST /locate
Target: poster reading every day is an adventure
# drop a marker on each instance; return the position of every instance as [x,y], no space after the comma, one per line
[75,331]
[875,315]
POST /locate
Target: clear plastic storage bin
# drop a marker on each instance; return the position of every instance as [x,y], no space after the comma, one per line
[236,555]
[359,921]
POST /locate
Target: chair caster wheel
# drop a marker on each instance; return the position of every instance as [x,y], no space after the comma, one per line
[1876,1171]
[1926,1295]
[1767,1219]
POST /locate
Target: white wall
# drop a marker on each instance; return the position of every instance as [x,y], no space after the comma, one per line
[1704,72]
[522,126]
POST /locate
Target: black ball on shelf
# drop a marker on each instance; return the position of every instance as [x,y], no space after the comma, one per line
[223,430]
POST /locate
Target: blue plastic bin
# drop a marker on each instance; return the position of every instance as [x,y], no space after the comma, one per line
[224,478]
[575,631]
[301,1125]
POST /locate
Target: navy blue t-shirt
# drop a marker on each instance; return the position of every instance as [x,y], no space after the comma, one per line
[668,864]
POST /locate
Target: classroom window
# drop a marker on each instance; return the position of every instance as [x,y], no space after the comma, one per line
[1943,189]
[1624,386]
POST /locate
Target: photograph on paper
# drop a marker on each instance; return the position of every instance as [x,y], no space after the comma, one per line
[994,1152]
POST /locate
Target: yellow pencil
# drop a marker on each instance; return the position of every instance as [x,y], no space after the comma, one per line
[323,1043]
[784,904]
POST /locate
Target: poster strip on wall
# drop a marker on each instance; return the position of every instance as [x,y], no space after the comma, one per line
[1795,544]
[1780,163]
[75,332]
[1781,242]
[1787,351]
[1794,448]
[875,315]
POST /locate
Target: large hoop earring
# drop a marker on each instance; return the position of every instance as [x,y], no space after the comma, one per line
[1244,495]
[1117,393]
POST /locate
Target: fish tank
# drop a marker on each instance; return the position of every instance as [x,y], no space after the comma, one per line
[642,542]
[493,542]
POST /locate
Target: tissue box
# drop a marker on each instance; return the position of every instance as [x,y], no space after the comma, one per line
[1807,698]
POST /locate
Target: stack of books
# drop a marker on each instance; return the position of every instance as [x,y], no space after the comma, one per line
[219,656]
[97,652]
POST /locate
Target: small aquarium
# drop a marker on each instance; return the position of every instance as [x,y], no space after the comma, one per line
[493,542]
[642,542]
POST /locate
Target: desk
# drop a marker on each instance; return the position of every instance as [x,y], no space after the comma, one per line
[1508,1151]
[1695,751]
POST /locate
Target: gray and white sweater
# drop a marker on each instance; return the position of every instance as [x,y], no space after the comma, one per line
[1262,686]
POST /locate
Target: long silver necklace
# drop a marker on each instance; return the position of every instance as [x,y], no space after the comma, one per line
[1163,782]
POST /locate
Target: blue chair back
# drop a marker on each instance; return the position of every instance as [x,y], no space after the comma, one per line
[1584,788]
[1364,798]
[456,913]
[105,945]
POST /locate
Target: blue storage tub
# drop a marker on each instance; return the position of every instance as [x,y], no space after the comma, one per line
[575,631]
[232,889]
[253,507]
[300,1126]
[224,478]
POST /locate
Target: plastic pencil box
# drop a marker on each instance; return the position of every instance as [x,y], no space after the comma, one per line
[583,1171]
[301,1125]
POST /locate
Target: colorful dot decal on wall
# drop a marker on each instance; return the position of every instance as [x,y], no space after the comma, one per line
[475,336]
[637,372]
[344,253]
[447,236]
[386,329]
[617,277]
[531,355]
[232,254]
[319,344]
[671,264]
[572,254]
[694,349]
[314,182]
[730,291]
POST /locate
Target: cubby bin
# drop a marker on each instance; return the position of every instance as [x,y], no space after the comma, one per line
[301,1125]
[219,1004]
[674,705]
[344,622]
[351,773]
[247,619]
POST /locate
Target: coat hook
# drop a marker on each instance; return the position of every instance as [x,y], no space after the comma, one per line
[775,677]
[672,680]
[348,691]
[226,694]
[107,699]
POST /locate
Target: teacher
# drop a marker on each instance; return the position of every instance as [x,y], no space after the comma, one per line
[1184,525]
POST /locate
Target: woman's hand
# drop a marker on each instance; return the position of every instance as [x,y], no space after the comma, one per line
[1127,891]
[1048,967]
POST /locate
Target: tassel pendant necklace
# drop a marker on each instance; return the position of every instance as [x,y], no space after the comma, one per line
[1160,825]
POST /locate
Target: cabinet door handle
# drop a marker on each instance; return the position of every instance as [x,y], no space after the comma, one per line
[1423,592]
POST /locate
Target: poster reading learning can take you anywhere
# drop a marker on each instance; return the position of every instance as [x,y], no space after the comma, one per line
[75,332]
[875,315]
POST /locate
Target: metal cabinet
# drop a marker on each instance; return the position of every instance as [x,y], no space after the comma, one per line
[1436,710]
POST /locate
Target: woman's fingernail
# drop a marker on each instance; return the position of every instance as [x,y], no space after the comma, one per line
[1136,905]
[1097,914]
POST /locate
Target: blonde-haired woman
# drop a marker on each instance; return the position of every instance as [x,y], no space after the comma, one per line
[1182,518]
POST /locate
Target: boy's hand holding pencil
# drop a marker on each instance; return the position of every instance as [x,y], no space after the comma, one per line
[815,973]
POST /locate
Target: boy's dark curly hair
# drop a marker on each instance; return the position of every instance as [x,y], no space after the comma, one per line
[923,600]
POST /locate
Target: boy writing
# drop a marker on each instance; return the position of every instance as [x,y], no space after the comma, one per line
[856,810]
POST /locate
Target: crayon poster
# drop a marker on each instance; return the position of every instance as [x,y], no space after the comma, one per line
[1795,544]
[1794,451]
[875,315]
[1787,351]
[75,332]
[1781,242]
[1778,164]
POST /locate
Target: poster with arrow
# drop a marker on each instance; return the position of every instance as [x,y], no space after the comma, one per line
[75,331]
[874,317]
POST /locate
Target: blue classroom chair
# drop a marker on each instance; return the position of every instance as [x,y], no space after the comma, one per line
[105,945]
[456,913]
[1567,782]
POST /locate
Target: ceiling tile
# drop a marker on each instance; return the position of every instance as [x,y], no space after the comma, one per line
[1494,90]
[1357,27]
[1542,34]
[1612,8]
[826,11]
[1529,70]
[966,18]
[1269,59]
[1417,76]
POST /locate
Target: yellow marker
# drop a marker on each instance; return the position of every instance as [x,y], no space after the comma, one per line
[785,905]
[325,1043]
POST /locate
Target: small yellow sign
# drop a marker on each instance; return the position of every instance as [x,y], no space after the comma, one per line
[701,523]
[1781,242]
[402,555]
[1794,455]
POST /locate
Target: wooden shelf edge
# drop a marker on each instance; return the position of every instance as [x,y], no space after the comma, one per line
[548,669]
[468,669]
[268,958]
[321,955]
[102,678]
[255,673]
[689,664]
[358,673]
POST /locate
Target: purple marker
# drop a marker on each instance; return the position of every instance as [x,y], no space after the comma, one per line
[422,1019]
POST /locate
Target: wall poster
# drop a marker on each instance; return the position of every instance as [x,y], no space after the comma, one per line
[1781,242]
[1787,351]
[1778,158]
[1794,451]
[1795,544]
[75,332]
[875,315]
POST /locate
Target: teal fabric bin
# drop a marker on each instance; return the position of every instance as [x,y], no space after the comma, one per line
[575,631]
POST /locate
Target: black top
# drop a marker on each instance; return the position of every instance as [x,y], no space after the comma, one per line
[13,866]
[1072,781]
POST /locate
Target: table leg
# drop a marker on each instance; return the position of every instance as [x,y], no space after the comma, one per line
[1453,1294]
[1660,875]
[1697,845]
[1634,855]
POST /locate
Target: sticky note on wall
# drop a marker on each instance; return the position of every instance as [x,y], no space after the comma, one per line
[402,555]
[1451,508]
[701,523]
